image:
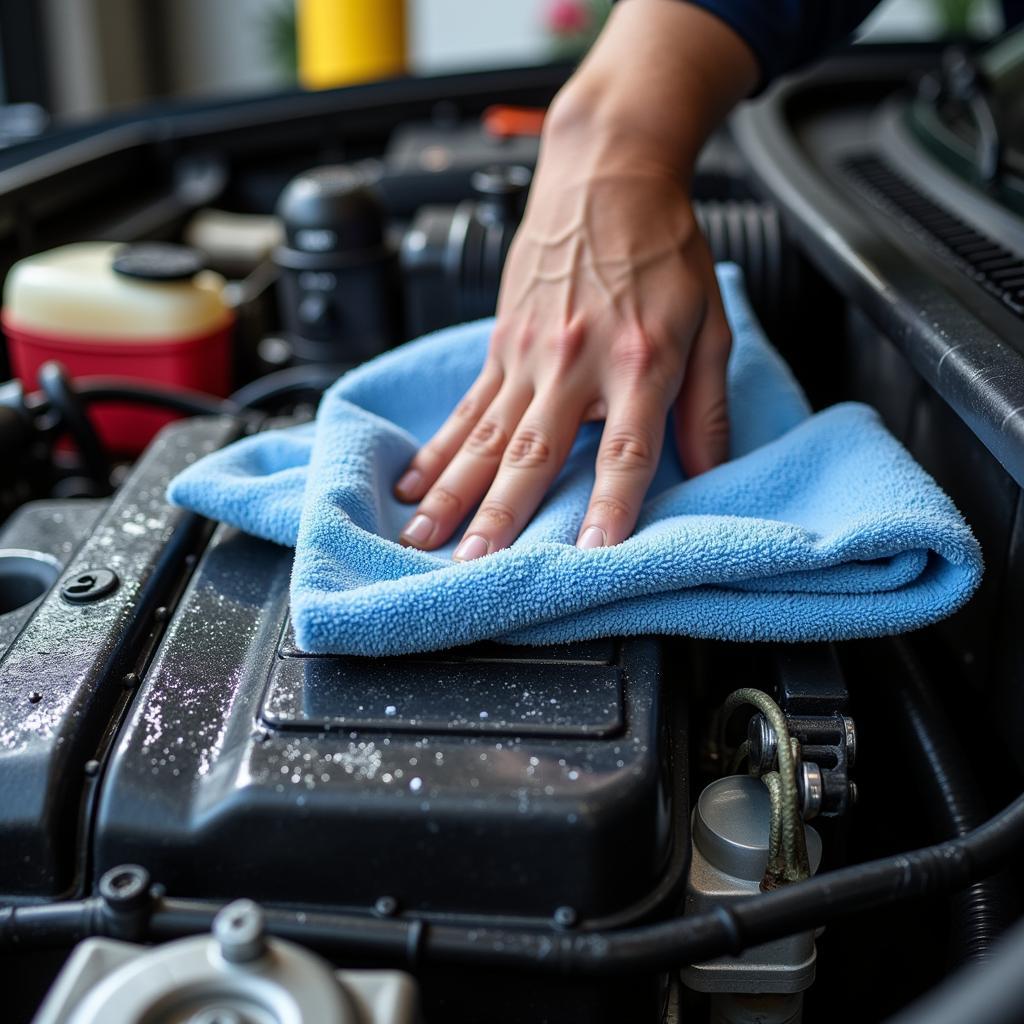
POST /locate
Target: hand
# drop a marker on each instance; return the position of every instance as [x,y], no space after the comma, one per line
[609,310]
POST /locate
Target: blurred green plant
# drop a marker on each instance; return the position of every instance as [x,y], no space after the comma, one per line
[573,25]
[280,39]
[955,16]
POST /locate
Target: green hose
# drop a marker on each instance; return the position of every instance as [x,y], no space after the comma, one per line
[792,839]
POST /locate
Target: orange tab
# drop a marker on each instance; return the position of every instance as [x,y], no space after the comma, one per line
[504,122]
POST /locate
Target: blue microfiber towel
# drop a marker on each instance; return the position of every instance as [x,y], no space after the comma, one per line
[821,526]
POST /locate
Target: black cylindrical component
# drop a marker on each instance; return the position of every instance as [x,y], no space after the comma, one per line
[452,257]
[339,292]
[951,798]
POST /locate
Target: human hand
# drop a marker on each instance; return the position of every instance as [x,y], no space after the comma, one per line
[609,310]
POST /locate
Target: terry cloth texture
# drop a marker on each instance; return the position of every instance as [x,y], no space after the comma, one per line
[820,527]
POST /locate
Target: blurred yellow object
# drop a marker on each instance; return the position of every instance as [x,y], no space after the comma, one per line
[346,41]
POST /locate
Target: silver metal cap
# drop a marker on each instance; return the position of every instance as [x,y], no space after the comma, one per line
[730,828]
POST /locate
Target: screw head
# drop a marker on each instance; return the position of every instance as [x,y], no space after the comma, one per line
[238,929]
[565,917]
[385,906]
[125,887]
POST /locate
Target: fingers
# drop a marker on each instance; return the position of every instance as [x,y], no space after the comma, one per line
[626,461]
[439,451]
[535,454]
[701,409]
[464,481]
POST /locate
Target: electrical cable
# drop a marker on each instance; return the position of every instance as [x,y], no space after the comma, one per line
[741,755]
[794,845]
[776,863]
[646,949]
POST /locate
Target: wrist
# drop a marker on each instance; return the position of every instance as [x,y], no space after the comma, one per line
[658,81]
[583,136]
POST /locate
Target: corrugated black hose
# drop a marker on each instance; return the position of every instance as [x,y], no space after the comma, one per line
[952,801]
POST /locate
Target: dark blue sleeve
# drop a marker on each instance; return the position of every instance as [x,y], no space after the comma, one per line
[787,33]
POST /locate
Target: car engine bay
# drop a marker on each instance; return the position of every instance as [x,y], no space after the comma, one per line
[201,822]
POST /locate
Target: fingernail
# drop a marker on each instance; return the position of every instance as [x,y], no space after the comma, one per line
[592,537]
[471,547]
[409,482]
[418,529]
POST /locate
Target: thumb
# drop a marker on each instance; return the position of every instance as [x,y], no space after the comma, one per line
[701,407]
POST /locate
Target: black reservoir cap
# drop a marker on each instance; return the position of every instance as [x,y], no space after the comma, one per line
[158,261]
[332,209]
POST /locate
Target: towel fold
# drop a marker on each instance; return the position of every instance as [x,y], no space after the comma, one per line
[820,527]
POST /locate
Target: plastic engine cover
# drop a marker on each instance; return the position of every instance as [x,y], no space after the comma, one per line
[172,720]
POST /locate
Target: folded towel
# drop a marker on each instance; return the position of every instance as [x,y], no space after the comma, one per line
[820,527]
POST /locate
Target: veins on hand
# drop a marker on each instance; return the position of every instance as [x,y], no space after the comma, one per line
[578,255]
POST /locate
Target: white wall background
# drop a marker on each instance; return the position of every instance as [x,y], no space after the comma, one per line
[476,33]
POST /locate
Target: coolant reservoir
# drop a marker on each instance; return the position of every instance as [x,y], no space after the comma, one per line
[148,311]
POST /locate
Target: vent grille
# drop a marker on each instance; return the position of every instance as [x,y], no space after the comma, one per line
[994,267]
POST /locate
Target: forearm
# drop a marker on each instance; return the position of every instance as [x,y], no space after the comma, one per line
[660,79]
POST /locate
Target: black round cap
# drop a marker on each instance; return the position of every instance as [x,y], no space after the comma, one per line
[158,261]
[335,208]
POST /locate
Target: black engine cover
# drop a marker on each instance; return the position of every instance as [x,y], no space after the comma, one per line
[494,780]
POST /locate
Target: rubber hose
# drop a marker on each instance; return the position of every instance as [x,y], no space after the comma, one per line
[952,800]
[987,993]
[60,393]
[92,390]
[291,383]
[644,949]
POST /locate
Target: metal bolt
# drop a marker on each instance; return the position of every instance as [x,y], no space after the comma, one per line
[850,738]
[90,585]
[763,745]
[125,887]
[565,917]
[811,789]
[238,929]
[385,906]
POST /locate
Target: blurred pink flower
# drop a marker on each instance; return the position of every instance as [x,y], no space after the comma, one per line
[568,17]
